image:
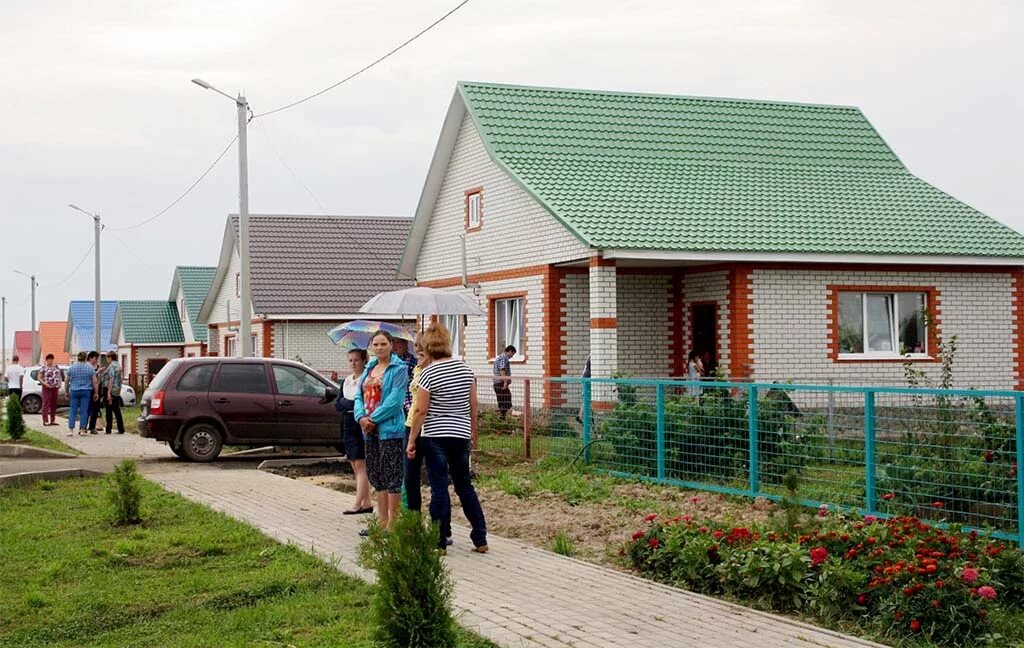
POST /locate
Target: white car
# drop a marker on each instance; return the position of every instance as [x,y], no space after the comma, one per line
[32,392]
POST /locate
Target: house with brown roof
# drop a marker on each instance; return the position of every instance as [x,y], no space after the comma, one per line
[309,274]
[51,340]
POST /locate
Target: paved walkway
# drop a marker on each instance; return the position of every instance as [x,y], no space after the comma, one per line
[517,596]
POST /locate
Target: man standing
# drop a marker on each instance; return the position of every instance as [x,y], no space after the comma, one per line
[14,373]
[503,380]
[50,379]
[99,395]
[113,393]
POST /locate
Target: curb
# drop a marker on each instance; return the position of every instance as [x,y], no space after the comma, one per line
[23,478]
[250,451]
[31,452]
[283,463]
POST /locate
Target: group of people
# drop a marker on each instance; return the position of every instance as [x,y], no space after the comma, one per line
[402,411]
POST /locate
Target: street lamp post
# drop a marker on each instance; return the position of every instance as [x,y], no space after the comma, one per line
[97,320]
[3,336]
[35,334]
[245,314]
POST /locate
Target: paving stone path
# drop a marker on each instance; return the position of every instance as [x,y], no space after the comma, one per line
[518,596]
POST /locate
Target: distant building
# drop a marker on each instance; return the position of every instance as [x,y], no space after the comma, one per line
[51,340]
[81,328]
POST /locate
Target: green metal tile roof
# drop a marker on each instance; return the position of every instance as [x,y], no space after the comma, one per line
[195,283]
[150,322]
[722,175]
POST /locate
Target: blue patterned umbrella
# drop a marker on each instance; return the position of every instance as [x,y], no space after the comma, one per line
[357,334]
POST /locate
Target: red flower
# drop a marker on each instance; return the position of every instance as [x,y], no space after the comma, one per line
[654,543]
[988,456]
[988,592]
[908,591]
[898,616]
[915,625]
[936,604]
[637,535]
[937,505]
[888,496]
[969,574]
[818,555]
[868,519]
[651,518]
[717,535]
[862,599]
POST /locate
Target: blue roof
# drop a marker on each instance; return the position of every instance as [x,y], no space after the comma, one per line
[81,314]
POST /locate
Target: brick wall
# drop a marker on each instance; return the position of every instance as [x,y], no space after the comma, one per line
[576,331]
[516,231]
[144,353]
[308,341]
[223,330]
[708,287]
[792,337]
[644,317]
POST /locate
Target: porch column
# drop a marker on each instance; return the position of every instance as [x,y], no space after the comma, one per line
[604,344]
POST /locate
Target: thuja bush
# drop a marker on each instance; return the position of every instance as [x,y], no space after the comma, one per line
[897,577]
[126,493]
[15,424]
[412,604]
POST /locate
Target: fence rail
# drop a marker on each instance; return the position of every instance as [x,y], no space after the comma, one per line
[947,456]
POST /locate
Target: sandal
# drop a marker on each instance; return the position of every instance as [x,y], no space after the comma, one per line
[368,509]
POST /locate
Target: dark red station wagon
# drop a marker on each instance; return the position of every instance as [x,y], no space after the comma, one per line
[197,405]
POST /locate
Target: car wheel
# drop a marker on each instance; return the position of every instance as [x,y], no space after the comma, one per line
[32,404]
[202,442]
[180,450]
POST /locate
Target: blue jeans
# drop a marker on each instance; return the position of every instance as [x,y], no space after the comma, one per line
[413,496]
[79,402]
[444,456]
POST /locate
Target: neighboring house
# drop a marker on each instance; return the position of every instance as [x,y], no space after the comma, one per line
[309,274]
[148,335]
[779,240]
[51,340]
[188,290]
[81,327]
[23,347]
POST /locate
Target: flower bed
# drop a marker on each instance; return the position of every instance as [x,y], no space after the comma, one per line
[892,578]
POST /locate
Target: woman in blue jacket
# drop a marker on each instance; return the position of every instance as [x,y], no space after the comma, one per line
[380,412]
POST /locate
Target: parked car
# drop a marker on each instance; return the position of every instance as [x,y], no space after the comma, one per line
[197,405]
[32,392]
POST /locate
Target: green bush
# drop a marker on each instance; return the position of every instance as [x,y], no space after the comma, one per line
[126,493]
[412,603]
[561,544]
[15,424]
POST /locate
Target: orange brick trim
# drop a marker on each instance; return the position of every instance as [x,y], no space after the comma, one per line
[268,340]
[676,305]
[554,328]
[1018,329]
[135,366]
[514,273]
[933,304]
[741,323]
[597,261]
[491,350]
[603,322]
[475,191]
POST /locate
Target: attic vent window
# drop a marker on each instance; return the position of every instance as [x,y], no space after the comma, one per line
[474,209]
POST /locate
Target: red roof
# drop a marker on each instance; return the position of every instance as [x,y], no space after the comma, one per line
[23,346]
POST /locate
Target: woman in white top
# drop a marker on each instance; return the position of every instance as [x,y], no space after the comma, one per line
[445,414]
[352,436]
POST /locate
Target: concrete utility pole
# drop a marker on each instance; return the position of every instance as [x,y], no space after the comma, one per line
[3,336]
[244,316]
[35,333]
[97,315]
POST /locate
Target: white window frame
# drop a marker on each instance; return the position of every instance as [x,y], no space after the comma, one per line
[454,325]
[473,203]
[894,327]
[257,351]
[231,346]
[519,341]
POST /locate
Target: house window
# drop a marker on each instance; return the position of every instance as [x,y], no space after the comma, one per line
[181,309]
[882,324]
[238,284]
[256,352]
[509,320]
[230,347]
[454,325]
[474,209]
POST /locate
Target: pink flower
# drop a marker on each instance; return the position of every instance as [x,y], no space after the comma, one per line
[695,500]
[818,555]
[969,574]
[868,519]
[823,510]
[985,591]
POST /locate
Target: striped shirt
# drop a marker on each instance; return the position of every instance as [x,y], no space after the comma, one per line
[449,383]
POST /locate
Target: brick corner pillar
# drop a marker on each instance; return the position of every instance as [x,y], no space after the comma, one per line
[1018,327]
[604,336]
[741,323]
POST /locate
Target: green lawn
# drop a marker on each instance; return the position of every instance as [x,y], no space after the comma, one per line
[37,439]
[187,576]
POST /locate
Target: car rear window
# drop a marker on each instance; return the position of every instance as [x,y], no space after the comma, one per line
[165,373]
[197,378]
[242,378]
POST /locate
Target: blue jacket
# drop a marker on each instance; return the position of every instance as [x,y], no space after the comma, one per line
[390,414]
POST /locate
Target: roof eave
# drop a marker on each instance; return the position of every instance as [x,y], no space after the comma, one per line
[227,247]
[805,257]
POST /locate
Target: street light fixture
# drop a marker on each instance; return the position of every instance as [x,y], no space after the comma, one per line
[35,334]
[245,314]
[96,250]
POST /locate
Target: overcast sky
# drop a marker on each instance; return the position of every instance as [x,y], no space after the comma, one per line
[97,108]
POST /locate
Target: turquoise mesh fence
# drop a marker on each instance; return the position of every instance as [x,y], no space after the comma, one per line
[948,456]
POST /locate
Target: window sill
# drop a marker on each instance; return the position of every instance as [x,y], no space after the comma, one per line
[515,360]
[884,357]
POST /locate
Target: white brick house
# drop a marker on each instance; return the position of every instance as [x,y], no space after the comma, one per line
[309,274]
[781,241]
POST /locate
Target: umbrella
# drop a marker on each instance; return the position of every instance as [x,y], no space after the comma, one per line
[357,334]
[422,301]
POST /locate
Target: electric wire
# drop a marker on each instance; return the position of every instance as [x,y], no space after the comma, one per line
[277,154]
[72,273]
[368,66]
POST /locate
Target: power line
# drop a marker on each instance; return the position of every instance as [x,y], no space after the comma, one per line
[182,196]
[280,159]
[367,67]
[72,273]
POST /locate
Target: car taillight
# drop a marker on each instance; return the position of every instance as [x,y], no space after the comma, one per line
[156,404]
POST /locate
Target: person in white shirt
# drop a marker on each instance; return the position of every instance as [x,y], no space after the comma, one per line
[14,373]
[352,436]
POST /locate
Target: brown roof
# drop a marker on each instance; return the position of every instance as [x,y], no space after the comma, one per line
[51,340]
[323,265]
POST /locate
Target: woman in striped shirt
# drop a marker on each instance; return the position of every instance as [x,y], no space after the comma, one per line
[445,415]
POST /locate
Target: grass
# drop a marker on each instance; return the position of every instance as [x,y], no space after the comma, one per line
[562,545]
[574,484]
[34,438]
[187,576]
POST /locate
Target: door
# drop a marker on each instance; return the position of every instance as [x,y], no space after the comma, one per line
[242,397]
[704,317]
[303,412]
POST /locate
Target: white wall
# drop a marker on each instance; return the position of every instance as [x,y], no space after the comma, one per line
[644,324]
[708,287]
[152,353]
[186,325]
[226,292]
[308,341]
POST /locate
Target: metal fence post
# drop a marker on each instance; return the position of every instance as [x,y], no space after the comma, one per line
[753,425]
[527,417]
[586,420]
[1020,467]
[660,438]
[869,450]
